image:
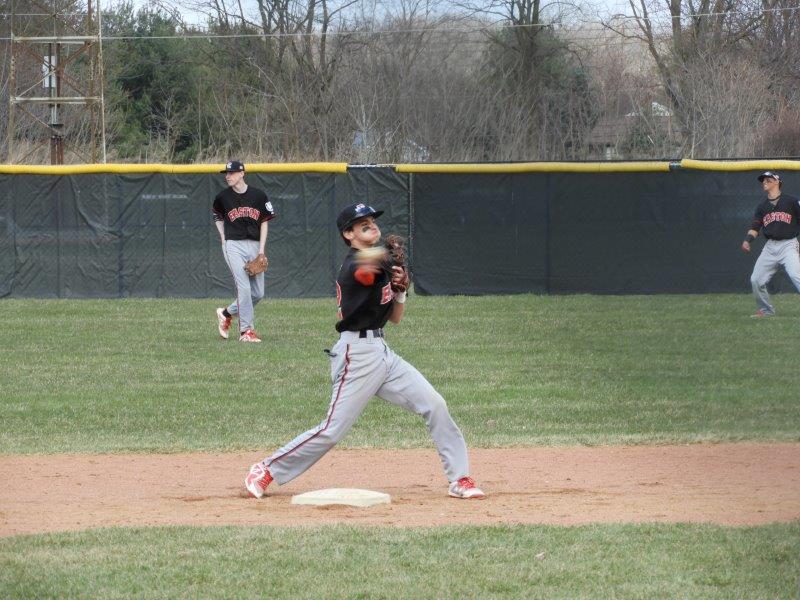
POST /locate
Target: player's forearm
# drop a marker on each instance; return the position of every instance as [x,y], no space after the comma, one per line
[752,233]
[397,312]
[221,229]
[262,239]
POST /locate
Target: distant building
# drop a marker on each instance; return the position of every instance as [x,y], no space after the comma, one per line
[612,136]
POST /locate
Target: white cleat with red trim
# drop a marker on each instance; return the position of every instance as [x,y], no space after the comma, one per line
[257,480]
[465,488]
[224,324]
[249,336]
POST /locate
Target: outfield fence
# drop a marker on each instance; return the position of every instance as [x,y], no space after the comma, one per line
[116,231]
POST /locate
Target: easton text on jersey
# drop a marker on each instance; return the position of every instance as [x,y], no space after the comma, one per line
[243,211]
[777,216]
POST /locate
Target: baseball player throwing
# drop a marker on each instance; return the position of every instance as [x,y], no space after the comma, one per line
[778,217]
[369,294]
[241,214]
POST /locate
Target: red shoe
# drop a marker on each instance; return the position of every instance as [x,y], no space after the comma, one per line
[465,488]
[249,336]
[761,313]
[257,480]
[224,323]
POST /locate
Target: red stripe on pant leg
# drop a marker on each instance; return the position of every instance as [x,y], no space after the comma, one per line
[330,414]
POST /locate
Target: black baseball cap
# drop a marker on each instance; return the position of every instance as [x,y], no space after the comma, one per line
[354,212]
[233,166]
[766,174]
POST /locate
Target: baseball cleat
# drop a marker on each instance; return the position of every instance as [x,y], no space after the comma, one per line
[257,480]
[224,323]
[465,488]
[761,313]
[249,336]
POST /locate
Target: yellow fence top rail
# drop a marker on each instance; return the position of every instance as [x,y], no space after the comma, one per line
[331,167]
[311,167]
[537,167]
[741,165]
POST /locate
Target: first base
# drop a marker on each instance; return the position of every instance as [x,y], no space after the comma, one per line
[348,496]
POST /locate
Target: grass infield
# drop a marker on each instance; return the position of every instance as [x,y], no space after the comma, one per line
[614,561]
[152,375]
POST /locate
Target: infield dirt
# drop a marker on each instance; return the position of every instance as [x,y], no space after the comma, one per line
[729,484]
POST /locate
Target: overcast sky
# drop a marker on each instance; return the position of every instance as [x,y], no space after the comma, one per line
[589,7]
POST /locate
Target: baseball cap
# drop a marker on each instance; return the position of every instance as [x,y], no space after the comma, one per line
[233,166]
[766,174]
[354,212]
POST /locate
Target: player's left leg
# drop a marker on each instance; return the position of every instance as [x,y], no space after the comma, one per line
[257,288]
[406,387]
[790,260]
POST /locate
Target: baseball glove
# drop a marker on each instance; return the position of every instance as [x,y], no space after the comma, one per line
[396,257]
[258,265]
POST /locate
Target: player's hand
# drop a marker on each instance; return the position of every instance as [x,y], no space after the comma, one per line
[746,246]
[400,279]
[370,259]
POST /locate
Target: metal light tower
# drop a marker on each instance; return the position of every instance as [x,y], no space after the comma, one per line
[55,82]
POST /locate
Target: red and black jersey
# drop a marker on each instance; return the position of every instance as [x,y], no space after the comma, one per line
[362,306]
[779,220]
[242,213]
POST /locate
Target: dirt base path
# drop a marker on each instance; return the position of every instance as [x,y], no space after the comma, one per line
[730,484]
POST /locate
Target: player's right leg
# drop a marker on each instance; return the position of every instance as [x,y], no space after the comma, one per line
[763,271]
[357,371]
[235,259]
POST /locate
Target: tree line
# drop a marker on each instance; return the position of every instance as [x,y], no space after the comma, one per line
[419,81]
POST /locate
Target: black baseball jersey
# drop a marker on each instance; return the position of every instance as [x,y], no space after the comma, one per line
[242,213]
[780,221]
[362,306]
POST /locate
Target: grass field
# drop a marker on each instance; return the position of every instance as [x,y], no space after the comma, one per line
[152,376]
[615,561]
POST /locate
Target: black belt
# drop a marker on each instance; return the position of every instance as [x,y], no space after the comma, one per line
[362,333]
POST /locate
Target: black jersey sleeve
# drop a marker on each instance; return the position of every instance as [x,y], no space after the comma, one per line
[796,206]
[758,218]
[265,208]
[217,212]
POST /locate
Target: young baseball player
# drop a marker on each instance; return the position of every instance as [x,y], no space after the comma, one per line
[778,217]
[363,366]
[241,214]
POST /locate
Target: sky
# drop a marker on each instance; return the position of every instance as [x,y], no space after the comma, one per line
[601,7]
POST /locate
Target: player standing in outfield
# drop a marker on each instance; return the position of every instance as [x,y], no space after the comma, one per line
[241,214]
[363,366]
[779,218]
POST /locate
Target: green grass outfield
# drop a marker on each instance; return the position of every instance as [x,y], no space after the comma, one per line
[152,376]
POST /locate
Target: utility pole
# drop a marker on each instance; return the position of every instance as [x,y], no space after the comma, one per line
[56,83]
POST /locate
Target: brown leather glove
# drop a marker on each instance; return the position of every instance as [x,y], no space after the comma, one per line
[396,257]
[395,249]
[258,265]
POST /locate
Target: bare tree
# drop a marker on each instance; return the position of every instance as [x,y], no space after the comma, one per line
[685,36]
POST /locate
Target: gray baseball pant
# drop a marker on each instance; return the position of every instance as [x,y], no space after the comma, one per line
[249,290]
[360,369]
[785,253]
